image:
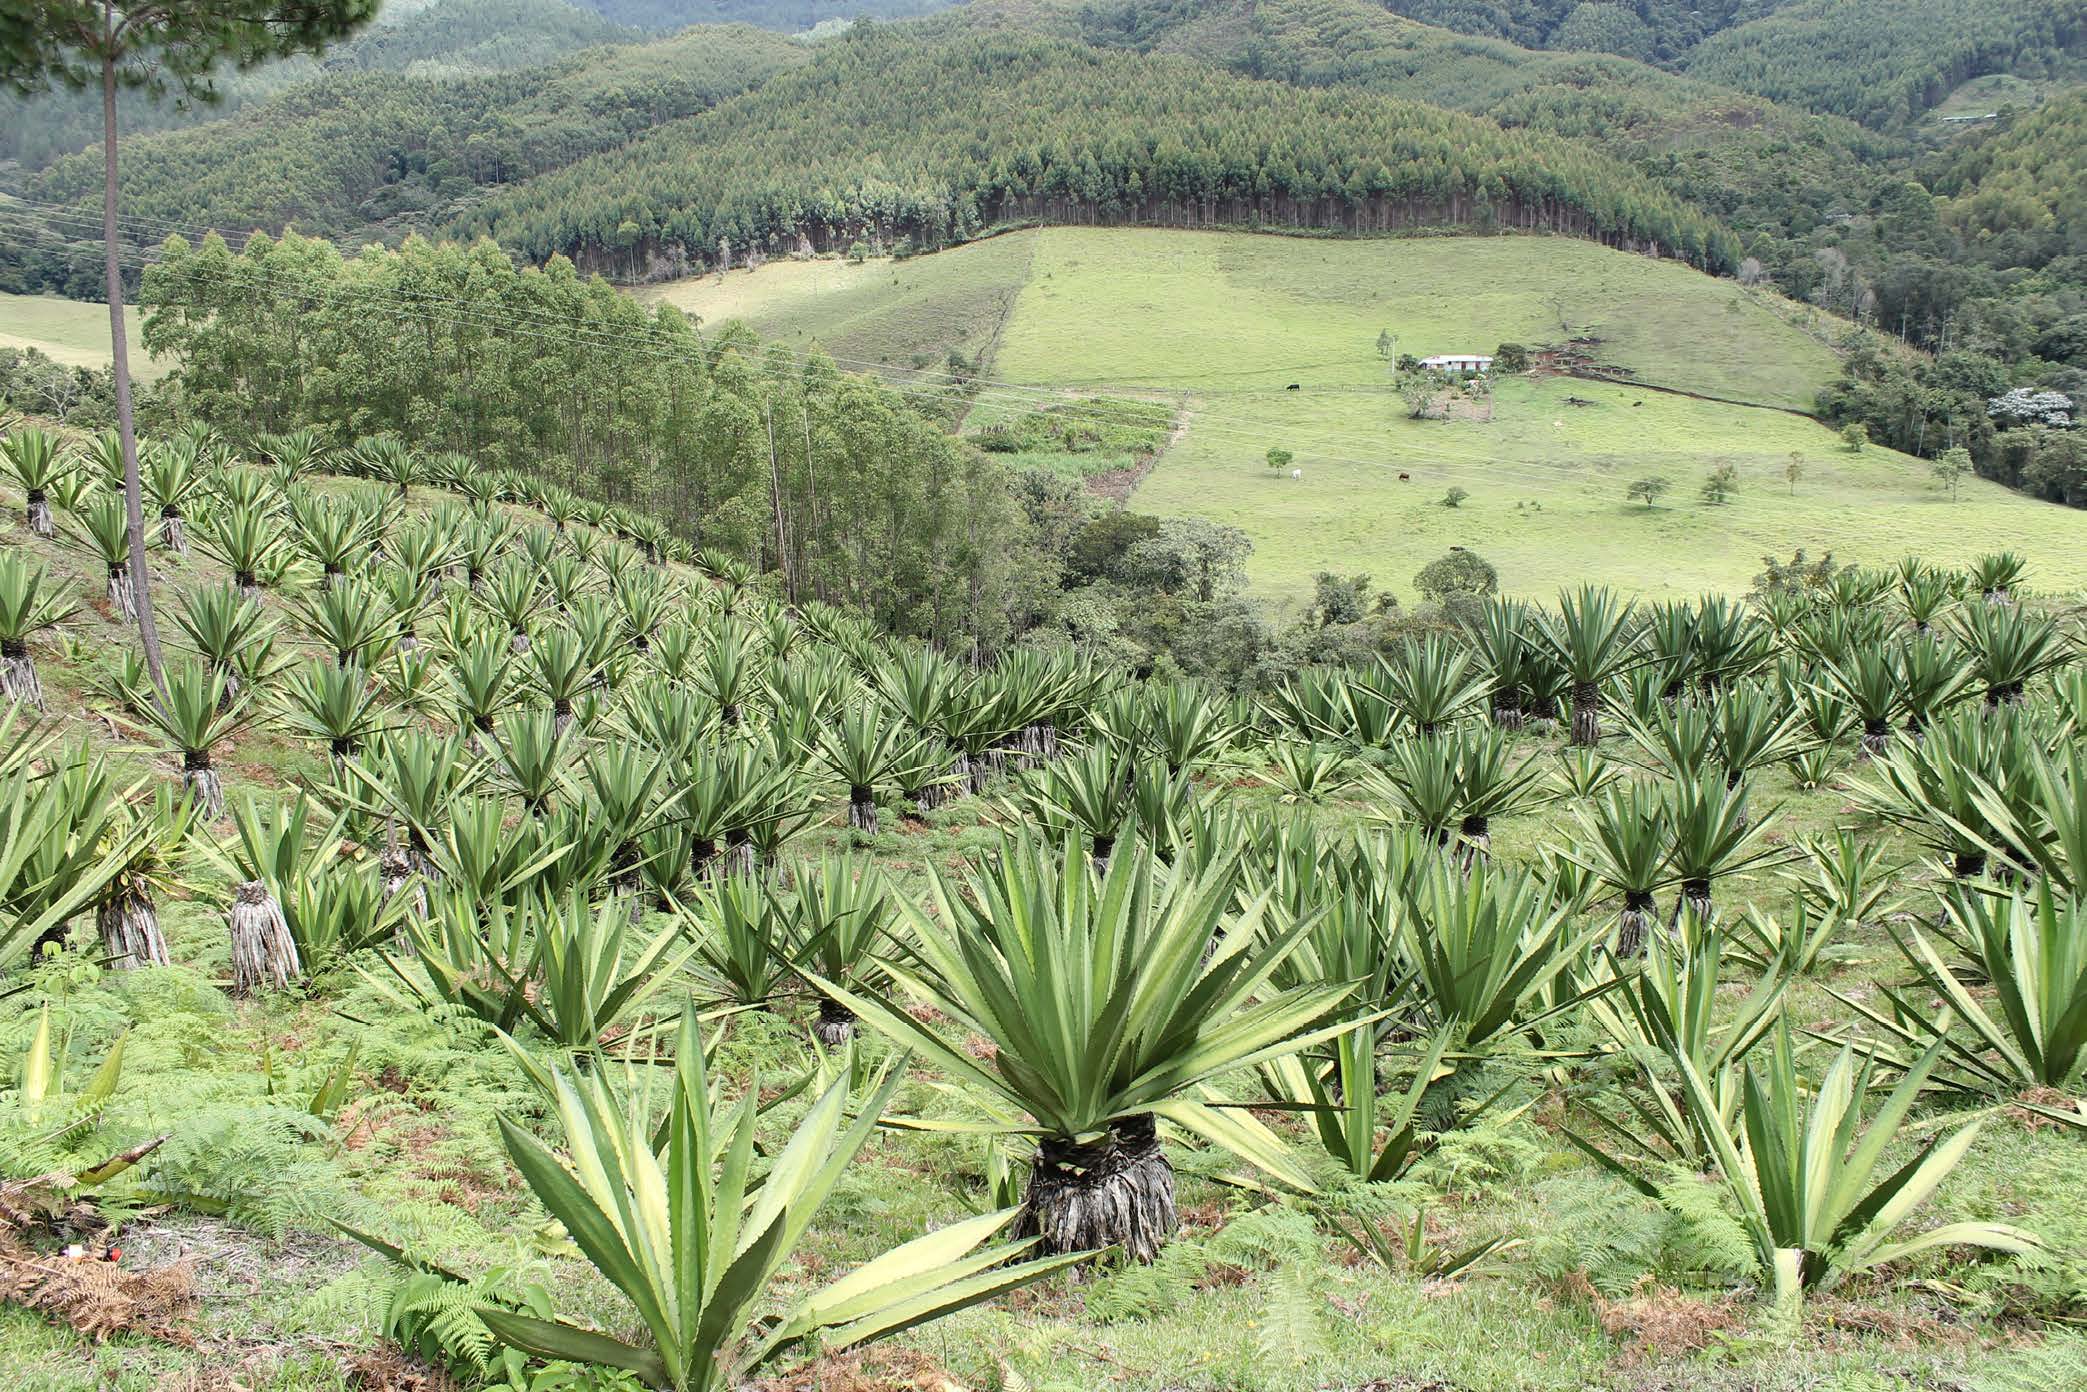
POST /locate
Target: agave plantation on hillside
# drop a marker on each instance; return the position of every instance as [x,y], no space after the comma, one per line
[546,776]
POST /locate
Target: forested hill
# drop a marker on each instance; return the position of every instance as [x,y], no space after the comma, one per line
[1881,62]
[1886,62]
[342,154]
[1755,163]
[787,16]
[431,38]
[997,127]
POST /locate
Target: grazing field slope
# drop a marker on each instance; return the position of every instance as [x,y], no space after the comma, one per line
[73,332]
[1221,325]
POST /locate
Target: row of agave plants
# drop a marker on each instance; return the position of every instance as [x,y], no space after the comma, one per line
[559,784]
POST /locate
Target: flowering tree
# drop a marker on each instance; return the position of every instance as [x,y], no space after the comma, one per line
[2026,406]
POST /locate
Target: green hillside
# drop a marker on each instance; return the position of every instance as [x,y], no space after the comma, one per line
[74,332]
[1221,324]
[821,156]
[364,150]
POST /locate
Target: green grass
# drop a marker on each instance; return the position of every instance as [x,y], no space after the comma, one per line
[73,332]
[1224,312]
[1546,483]
[879,314]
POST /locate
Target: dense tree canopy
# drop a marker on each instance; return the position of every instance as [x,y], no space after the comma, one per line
[823,154]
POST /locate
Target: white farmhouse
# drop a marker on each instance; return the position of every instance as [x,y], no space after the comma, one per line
[1459,362]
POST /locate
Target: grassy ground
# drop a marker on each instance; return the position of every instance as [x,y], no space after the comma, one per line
[879,314]
[1221,325]
[1546,481]
[74,332]
[1595,1294]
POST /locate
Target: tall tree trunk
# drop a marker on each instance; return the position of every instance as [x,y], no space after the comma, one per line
[119,353]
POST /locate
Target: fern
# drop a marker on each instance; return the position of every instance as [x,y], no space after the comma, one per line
[1705,1238]
[1289,1334]
[1595,1230]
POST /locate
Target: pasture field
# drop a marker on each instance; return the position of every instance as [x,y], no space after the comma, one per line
[74,332]
[878,314]
[1222,324]
[1546,481]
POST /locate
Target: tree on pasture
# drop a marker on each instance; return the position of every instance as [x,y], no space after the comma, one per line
[1649,488]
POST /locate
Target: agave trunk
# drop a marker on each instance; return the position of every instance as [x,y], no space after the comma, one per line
[40,514]
[835,1025]
[200,781]
[862,810]
[263,952]
[519,642]
[1508,713]
[1117,1192]
[1876,737]
[129,924]
[173,531]
[1475,840]
[1970,864]
[702,857]
[18,679]
[1586,715]
[123,598]
[1695,894]
[739,853]
[397,866]
[1634,924]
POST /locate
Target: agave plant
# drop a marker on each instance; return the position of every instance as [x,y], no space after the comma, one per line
[1489,946]
[1995,576]
[1431,682]
[339,706]
[1307,770]
[1945,789]
[561,671]
[388,459]
[2011,648]
[30,604]
[102,530]
[296,455]
[837,922]
[1502,635]
[39,464]
[231,632]
[1111,1000]
[1185,727]
[673,1217]
[1803,1170]
[150,840]
[865,747]
[744,938]
[1713,833]
[1622,841]
[195,714]
[55,858]
[351,621]
[171,473]
[1592,639]
[1671,1009]
[249,541]
[332,533]
[2030,1031]
[1092,794]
